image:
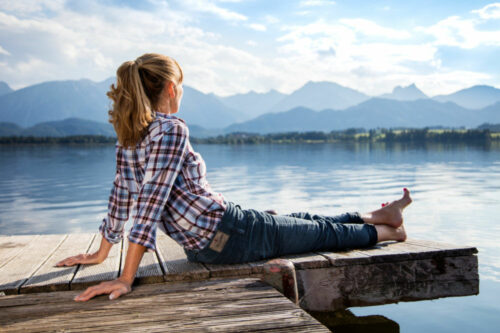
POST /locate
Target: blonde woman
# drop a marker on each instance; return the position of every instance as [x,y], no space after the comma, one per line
[159,173]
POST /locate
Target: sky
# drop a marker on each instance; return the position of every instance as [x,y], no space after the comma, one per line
[236,46]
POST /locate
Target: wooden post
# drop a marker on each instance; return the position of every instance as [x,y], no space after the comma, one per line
[280,273]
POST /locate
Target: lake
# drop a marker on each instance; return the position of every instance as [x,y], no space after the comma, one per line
[456,192]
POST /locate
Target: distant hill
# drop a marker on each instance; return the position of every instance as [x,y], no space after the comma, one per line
[252,104]
[85,99]
[376,112]
[56,100]
[196,131]
[4,88]
[475,97]
[75,126]
[408,93]
[320,96]
[205,110]
[66,127]
[491,127]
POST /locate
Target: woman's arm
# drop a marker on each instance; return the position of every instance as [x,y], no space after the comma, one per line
[123,284]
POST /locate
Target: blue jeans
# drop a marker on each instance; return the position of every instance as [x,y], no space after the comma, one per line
[254,235]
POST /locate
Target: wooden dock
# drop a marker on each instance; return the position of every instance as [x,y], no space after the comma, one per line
[237,305]
[324,281]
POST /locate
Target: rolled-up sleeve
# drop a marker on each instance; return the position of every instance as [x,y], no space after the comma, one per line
[120,202]
[164,163]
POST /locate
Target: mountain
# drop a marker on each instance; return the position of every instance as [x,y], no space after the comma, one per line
[66,127]
[55,100]
[376,112]
[252,104]
[4,88]
[408,93]
[196,131]
[85,99]
[320,96]
[475,97]
[205,110]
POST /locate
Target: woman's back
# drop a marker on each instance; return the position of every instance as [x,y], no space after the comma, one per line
[165,180]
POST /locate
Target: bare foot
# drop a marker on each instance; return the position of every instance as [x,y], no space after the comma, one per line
[390,214]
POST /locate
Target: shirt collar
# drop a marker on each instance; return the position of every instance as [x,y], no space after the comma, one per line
[167,116]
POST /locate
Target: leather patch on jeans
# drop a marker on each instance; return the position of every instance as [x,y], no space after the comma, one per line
[220,239]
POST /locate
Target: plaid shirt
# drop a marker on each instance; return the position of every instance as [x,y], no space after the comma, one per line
[164,180]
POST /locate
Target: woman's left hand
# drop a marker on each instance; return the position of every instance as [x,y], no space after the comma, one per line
[114,288]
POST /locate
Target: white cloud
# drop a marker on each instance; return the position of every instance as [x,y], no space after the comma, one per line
[210,7]
[314,3]
[257,27]
[92,44]
[251,42]
[3,51]
[491,11]
[270,19]
[460,32]
[373,67]
[370,28]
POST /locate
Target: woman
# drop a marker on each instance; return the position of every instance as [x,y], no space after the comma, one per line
[163,178]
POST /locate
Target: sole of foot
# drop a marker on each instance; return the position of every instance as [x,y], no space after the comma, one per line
[392,213]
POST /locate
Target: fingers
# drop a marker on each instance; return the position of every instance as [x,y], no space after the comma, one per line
[114,288]
[74,260]
[102,288]
[117,293]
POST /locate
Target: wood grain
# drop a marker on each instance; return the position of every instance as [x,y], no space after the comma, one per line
[88,275]
[174,262]
[26,262]
[183,310]
[51,278]
[10,246]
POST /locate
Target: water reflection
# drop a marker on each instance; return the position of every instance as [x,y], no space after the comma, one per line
[344,321]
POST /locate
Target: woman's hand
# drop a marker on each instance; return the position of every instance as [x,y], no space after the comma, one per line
[85,258]
[114,288]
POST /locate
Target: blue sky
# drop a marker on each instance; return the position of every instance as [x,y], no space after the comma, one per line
[234,46]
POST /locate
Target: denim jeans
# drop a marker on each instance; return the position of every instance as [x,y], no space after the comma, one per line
[256,235]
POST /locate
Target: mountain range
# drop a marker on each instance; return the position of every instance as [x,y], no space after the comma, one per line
[314,106]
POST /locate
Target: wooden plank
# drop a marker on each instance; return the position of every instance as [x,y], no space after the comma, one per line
[11,246]
[308,260]
[234,270]
[149,270]
[343,258]
[451,249]
[25,263]
[229,287]
[88,275]
[385,252]
[174,262]
[51,278]
[173,312]
[333,288]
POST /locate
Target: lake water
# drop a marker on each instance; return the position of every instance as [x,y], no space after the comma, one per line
[456,192]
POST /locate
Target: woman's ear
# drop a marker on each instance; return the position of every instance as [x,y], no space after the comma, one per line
[169,90]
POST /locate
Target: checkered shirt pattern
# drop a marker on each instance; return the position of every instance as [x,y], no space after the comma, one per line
[164,181]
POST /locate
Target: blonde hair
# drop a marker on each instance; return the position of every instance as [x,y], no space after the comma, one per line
[139,85]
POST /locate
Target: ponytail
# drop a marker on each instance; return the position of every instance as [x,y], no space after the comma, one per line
[135,97]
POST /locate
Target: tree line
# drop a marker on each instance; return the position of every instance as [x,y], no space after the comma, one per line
[357,135]
[424,135]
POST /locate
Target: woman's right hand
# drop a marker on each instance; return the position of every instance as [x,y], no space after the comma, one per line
[85,258]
